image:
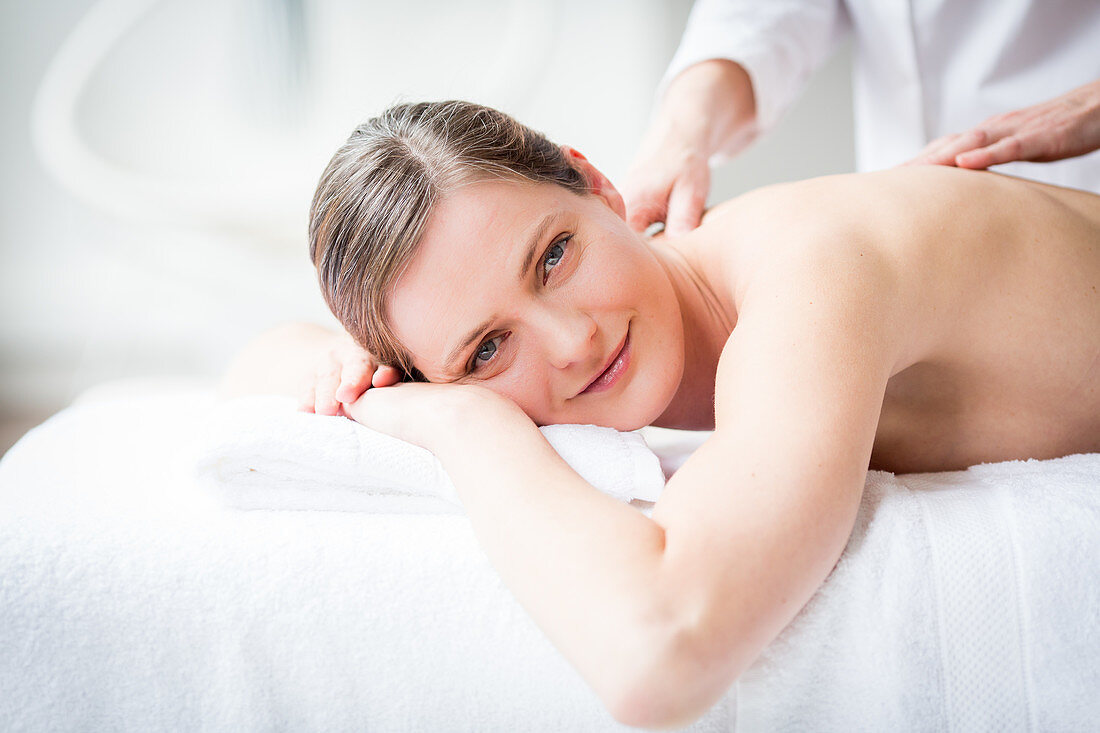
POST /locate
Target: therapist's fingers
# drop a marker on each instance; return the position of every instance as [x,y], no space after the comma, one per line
[645,209]
[1005,150]
[931,149]
[664,183]
[645,196]
[1063,127]
[945,150]
[687,201]
[642,215]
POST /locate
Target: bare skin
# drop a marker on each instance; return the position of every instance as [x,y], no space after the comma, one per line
[919,319]
[1001,303]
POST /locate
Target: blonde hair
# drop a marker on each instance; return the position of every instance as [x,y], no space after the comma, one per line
[376,194]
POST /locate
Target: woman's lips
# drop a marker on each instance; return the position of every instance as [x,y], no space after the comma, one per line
[611,374]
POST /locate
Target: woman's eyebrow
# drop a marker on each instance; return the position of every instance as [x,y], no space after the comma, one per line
[536,236]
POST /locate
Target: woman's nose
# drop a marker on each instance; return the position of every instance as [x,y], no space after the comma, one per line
[569,337]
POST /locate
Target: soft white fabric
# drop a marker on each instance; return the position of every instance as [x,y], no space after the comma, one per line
[922,68]
[261,453]
[132,600]
[965,601]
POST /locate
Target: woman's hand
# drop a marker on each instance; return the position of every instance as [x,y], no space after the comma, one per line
[344,373]
[425,414]
[1064,127]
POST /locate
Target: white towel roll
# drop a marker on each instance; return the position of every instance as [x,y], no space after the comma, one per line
[260,452]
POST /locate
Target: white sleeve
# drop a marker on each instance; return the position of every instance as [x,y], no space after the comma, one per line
[780,43]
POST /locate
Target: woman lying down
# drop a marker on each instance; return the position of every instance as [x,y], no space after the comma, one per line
[916,319]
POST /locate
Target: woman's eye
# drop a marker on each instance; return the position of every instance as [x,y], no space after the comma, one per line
[553,256]
[486,352]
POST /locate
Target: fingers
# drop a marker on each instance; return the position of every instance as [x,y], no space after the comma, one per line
[687,201]
[680,206]
[355,378]
[923,156]
[642,214]
[645,198]
[670,187]
[1059,128]
[944,150]
[341,380]
[1005,150]
[386,376]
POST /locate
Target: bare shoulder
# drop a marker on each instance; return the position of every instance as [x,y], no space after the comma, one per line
[935,231]
[820,314]
[801,380]
[796,214]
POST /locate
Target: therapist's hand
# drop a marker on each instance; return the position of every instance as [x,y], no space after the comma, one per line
[668,183]
[709,107]
[1064,127]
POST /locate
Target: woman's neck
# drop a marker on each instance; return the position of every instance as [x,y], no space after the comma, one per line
[707,326]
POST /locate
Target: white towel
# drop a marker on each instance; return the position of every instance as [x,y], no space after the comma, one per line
[260,452]
[132,601]
[964,601]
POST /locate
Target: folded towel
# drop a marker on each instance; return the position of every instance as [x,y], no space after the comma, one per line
[260,452]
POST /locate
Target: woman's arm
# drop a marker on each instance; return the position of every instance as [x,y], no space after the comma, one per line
[318,366]
[660,615]
[583,565]
[758,516]
[280,361]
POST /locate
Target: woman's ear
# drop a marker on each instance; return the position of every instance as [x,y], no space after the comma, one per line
[598,183]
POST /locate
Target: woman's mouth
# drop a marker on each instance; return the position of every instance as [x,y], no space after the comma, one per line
[607,379]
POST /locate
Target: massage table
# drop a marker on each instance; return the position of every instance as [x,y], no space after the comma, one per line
[133,598]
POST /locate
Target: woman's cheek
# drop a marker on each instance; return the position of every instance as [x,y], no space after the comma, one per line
[516,385]
[603,281]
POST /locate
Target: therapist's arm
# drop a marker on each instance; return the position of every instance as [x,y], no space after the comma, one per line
[1063,127]
[708,108]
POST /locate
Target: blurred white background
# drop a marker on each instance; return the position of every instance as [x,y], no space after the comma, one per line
[159,157]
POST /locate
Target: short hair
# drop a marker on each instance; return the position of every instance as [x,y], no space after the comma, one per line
[376,194]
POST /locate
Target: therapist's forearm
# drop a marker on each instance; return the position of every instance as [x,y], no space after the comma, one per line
[584,565]
[710,106]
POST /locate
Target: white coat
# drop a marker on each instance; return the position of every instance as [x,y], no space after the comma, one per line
[922,68]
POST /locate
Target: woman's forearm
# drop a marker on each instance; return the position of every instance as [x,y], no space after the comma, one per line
[584,566]
[279,361]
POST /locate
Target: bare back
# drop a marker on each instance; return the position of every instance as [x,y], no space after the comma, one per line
[1000,314]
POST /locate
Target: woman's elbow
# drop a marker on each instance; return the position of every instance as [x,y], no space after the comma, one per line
[678,688]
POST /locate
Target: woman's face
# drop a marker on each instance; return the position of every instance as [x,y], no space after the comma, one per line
[530,290]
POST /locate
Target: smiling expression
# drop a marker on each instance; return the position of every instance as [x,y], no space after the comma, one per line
[530,290]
